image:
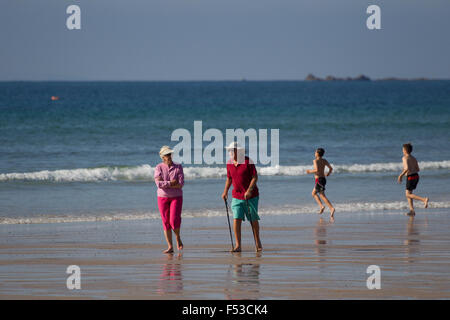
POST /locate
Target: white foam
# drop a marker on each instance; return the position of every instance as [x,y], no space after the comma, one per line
[82,218]
[396,207]
[145,172]
[352,207]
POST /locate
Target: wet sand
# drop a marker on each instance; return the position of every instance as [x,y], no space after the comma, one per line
[304,257]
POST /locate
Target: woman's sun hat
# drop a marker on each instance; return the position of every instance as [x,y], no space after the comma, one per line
[165,150]
[234,145]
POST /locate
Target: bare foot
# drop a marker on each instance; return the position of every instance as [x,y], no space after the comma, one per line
[332,212]
[321,210]
[411,213]
[331,219]
[426,202]
[179,244]
[168,250]
[237,249]
[259,246]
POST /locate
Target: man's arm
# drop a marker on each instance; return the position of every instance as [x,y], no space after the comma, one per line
[249,191]
[227,187]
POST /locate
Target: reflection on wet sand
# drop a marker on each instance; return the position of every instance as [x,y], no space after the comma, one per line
[320,240]
[171,280]
[243,280]
[412,241]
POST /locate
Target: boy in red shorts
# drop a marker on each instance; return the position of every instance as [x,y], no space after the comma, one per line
[411,169]
[319,174]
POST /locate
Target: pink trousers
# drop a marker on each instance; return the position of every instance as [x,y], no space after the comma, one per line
[170,209]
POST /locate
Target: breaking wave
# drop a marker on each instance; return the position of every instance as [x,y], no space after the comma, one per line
[145,172]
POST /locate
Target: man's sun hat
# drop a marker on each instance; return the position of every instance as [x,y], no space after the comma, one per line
[234,145]
[165,150]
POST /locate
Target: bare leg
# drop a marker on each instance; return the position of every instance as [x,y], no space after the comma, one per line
[316,197]
[255,227]
[328,203]
[237,232]
[410,195]
[178,238]
[410,202]
[168,235]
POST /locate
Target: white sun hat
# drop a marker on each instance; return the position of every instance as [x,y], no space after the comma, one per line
[234,145]
[165,150]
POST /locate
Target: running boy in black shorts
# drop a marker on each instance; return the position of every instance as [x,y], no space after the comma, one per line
[319,174]
[411,169]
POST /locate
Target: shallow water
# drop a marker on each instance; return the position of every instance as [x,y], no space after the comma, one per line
[90,155]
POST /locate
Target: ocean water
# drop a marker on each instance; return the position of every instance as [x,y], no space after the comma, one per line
[90,155]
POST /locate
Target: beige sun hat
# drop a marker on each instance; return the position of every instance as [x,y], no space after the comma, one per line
[234,145]
[165,150]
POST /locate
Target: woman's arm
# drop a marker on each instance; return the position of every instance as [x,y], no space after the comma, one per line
[160,183]
[179,182]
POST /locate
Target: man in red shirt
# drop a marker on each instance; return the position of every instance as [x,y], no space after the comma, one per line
[245,194]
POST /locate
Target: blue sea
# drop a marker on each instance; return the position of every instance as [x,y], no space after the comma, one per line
[90,155]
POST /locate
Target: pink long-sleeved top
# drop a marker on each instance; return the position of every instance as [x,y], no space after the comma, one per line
[164,174]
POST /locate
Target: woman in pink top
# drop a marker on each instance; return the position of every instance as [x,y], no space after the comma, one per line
[169,179]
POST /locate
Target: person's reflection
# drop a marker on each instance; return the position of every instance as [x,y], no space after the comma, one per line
[171,280]
[320,235]
[412,241]
[243,280]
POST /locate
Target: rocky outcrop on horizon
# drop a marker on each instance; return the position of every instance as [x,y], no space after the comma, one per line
[311,77]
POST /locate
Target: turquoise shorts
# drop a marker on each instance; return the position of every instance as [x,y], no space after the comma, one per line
[240,209]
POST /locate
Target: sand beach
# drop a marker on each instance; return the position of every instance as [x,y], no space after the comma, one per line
[304,257]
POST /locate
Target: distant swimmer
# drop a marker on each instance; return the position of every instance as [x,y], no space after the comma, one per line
[54,98]
[320,180]
[411,169]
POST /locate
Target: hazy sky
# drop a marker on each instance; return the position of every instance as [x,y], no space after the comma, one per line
[222,39]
